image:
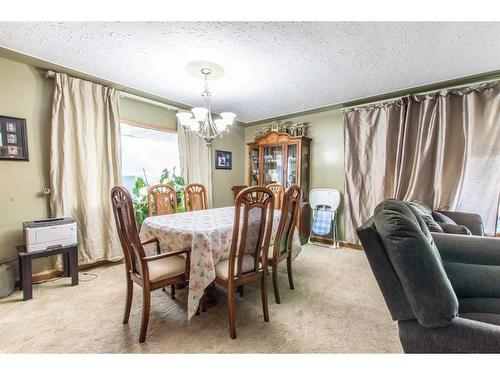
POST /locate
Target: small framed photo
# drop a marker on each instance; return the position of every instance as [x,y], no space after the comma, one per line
[223,160]
[12,150]
[11,127]
[13,139]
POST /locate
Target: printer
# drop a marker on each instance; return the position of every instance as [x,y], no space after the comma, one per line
[49,233]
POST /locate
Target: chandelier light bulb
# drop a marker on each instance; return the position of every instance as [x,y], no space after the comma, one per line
[199,113]
[228,117]
[220,124]
[194,125]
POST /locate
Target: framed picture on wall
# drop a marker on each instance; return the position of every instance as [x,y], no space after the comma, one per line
[13,139]
[223,159]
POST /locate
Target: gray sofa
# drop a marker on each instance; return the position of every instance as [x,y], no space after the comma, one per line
[442,289]
[453,222]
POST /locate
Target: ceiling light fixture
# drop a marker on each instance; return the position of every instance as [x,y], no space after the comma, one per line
[199,119]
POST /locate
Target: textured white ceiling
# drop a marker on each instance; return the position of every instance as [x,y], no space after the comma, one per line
[272,68]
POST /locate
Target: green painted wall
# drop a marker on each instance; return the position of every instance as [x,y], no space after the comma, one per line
[147,114]
[223,180]
[25,93]
[327,152]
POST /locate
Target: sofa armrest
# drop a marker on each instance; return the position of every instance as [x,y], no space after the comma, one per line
[473,222]
[468,249]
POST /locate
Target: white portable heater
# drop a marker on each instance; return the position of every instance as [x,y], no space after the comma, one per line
[324,203]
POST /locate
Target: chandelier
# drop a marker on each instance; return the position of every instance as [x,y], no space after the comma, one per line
[199,121]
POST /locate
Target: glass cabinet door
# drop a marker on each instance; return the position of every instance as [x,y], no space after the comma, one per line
[254,167]
[273,165]
[291,166]
[304,171]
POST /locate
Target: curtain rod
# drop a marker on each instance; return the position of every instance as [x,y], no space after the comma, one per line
[51,74]
[395,98]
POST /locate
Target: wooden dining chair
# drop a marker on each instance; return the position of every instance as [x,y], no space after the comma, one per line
[277,190]
[237,188]
[247,262]
[148,271]
[162,200]
[283,242]
[195,197]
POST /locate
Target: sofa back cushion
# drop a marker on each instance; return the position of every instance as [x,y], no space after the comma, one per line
[425,213]
[440,218]
[418,265]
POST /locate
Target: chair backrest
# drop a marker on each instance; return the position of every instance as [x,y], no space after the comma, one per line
[237,188]
[195,197]
[278,191]
[162,200]
[253,222]
[123,211]
[288,221]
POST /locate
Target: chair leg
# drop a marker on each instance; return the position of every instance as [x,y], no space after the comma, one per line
[128,301]
[289,269]
[241,289]
[230,311]
[263,294]
[146,301]
[172,291]
[275,284]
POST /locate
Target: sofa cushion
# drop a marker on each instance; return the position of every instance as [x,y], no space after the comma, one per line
[455,229]
[483,317]
[440,218]
[425,213]
[418,265]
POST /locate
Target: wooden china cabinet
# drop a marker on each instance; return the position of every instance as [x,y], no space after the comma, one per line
[284,159]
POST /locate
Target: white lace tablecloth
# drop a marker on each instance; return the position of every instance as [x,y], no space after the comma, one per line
[208,233]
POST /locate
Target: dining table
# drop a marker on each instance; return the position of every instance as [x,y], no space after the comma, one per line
[208,233]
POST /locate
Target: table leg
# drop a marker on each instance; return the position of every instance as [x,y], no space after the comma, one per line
[27,278]
[209,298]
[73,265]
[20,269]
[66,268]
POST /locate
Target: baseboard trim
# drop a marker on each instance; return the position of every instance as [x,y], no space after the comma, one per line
[52,274]
[329,241]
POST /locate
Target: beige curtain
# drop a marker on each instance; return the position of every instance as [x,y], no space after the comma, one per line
[195,159]
[85,163]
[442,149]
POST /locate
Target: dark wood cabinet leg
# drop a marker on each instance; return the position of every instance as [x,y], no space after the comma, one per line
[27,278]
[65,261]
[73,265]
[20,269]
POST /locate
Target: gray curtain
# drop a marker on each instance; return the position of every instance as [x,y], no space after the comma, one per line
[85,163]
[441,148]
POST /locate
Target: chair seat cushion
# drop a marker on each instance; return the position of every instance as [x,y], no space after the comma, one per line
[166,267]
[483,317]
[222,268]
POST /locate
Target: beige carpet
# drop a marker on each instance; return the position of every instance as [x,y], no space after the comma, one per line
[336,307]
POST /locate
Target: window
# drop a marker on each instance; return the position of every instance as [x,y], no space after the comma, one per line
[146,153]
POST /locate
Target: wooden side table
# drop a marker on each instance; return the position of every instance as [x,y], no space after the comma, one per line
[70,265]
